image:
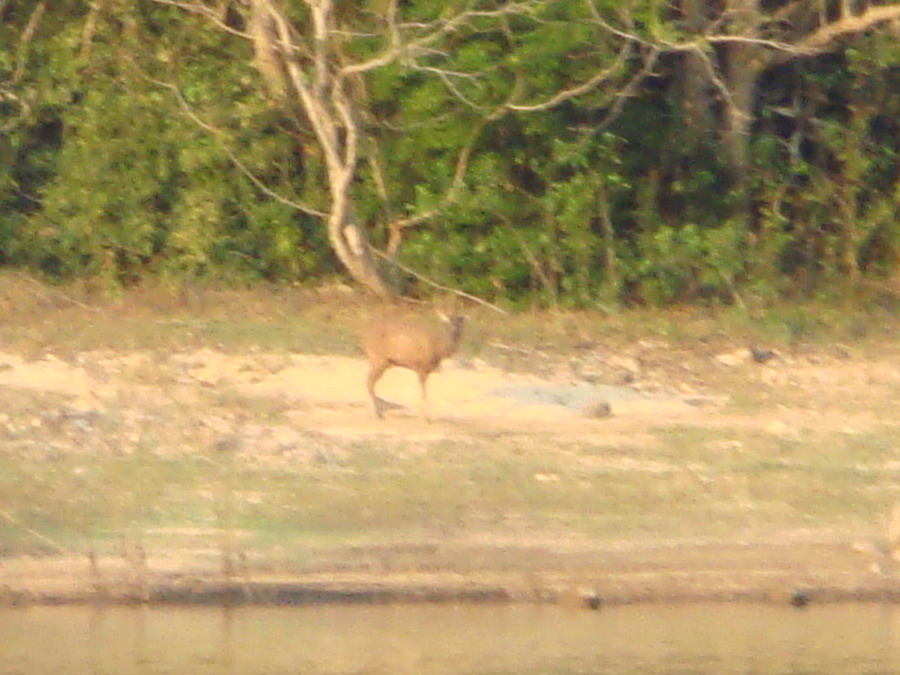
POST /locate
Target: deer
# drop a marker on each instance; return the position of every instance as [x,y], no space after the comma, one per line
[408,342]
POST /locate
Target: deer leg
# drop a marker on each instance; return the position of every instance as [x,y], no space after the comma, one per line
[376,370]
[423,382]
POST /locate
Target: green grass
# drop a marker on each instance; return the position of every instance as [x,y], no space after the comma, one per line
[382,493]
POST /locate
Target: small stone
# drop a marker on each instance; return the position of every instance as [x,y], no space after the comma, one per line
[83,425]
[762,355]
[593,601]
[546,477]
[597,409]
[734,358]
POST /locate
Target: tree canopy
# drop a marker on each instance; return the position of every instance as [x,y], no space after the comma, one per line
[571,152]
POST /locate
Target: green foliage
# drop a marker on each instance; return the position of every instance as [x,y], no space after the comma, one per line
[829,211]
[690,261]
[103,173]
[127,185]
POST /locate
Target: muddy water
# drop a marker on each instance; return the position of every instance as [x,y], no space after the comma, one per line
[432,640]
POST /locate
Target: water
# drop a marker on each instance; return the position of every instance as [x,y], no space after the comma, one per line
[437,640]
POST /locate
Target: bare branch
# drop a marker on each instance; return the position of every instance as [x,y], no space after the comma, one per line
[7,92]
[622,96]
[27,35]
[312,103]
[712,73]
[393,30]
[446,76]
[320,14]
[816,42]
[775,45]
[462,165]
[23,105]
[583,88]
[398,50]
[351,129]
[618,32]
[216,133]
[90,26]
[825,37]
[215,15]
[441,287]
[534,262]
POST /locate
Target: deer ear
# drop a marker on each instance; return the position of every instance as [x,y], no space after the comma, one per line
[444,317]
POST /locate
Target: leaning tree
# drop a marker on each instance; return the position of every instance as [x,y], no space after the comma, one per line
[315,59]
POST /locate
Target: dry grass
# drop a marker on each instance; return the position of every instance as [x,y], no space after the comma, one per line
[191,466]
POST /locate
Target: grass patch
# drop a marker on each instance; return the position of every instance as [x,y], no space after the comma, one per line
[689,488]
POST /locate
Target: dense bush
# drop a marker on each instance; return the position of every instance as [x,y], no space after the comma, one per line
[106,172]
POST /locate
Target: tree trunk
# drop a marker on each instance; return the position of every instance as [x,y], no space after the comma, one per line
[744,64]
[347,239]
[328,107]
[694,81]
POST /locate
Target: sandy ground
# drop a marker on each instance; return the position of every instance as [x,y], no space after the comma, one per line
[324,394]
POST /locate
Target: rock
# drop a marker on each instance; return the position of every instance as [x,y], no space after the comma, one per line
[799,598]
[547,477]
[734,358]
[597,409]
[762,355]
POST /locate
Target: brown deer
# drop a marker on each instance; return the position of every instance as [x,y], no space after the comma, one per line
[408,342]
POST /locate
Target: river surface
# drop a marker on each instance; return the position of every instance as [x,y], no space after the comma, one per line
[715,639]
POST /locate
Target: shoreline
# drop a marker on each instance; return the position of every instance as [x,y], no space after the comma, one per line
[797,575]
